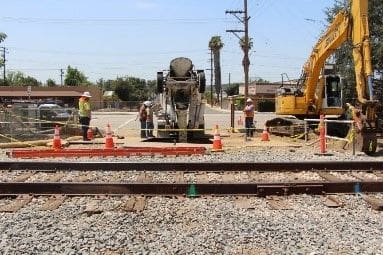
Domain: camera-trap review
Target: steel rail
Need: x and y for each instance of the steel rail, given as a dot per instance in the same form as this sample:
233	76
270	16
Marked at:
191	189
193	166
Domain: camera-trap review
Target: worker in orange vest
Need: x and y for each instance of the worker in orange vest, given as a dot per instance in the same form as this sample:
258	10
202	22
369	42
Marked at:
249	117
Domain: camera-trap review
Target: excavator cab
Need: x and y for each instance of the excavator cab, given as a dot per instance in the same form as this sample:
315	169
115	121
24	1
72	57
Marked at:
333	92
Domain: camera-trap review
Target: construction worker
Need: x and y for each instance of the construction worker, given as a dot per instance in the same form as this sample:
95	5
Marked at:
149	119
249	117
354	114
84	111
142	116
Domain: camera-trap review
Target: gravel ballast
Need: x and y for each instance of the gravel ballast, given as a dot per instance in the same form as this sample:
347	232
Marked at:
205	225
214	225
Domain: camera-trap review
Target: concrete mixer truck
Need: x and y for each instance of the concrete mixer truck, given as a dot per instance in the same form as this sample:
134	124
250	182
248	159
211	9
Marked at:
179	93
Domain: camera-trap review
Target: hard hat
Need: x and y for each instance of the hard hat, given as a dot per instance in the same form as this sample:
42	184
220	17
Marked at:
249	100
86	94
147	103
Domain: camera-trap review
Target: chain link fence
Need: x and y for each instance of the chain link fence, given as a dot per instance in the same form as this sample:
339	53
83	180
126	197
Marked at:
20	122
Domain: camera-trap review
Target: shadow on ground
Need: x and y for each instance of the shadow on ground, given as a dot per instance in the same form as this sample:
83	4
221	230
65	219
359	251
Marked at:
205	140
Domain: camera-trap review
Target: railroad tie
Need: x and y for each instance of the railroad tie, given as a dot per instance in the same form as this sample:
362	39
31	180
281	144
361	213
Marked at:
17	203
332	202
329	177
144	178
23	177
278	203
202	177
179	177
95	206
53	203
375	203
362	177
133	204
244	203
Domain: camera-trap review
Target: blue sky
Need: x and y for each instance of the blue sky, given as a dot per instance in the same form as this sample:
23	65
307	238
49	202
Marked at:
115	38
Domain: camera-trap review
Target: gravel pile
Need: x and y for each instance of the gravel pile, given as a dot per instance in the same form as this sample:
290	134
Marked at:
195	226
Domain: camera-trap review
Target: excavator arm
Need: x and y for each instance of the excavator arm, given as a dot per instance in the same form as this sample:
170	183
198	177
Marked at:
336	35
361	52
346	25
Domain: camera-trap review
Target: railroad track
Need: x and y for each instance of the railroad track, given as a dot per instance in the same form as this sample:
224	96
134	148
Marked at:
25	180
192	166
259	179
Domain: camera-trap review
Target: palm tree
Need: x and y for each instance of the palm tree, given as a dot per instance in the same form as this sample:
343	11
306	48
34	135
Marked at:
215	45
2	37
242	44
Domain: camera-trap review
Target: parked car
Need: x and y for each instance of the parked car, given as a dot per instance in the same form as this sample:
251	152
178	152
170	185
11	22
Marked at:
53	113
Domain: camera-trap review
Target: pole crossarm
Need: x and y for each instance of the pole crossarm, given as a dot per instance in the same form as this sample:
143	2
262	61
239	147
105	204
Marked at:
245	47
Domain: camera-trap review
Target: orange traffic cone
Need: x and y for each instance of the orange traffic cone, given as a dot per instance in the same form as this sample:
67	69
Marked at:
89	134
240	121
109	144
56	145
217	143
265	135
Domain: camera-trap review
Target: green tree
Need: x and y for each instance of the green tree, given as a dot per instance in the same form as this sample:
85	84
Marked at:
131	89
15	78
31	81
215	45
242	43
151	86
51	83
122	89
74	77
106	85
232	89
260	80
2	37
343	56
19	79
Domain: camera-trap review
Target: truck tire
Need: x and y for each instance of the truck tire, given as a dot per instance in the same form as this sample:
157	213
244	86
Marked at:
202	82
160	82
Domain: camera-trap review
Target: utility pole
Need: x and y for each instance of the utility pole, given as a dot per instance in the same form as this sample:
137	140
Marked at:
245	48
4	77
61	75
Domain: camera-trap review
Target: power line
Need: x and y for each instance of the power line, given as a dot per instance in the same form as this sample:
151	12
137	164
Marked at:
97	53
106	21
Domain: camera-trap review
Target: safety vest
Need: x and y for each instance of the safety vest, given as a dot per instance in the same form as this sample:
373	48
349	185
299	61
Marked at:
149	113
83	108
249	111
142	113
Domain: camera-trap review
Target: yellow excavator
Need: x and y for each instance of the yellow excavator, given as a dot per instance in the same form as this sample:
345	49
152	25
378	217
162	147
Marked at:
319	91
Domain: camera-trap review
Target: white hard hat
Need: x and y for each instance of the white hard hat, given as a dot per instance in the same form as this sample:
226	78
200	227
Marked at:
147	103
86	94
249	100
